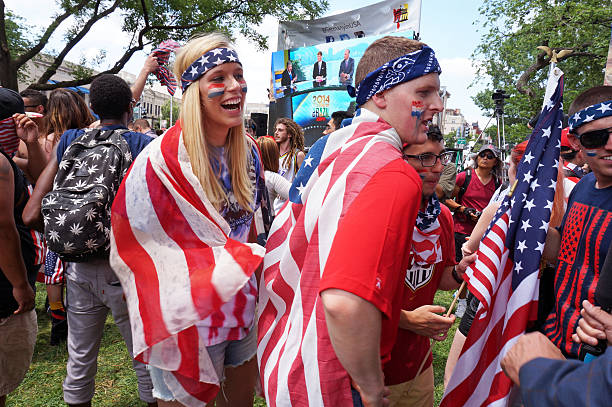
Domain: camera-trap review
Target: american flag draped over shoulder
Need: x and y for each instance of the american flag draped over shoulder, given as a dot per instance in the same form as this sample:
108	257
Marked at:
505	276
162	54
171	251
298	366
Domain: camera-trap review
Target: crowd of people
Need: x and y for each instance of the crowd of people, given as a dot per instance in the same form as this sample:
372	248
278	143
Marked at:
235	266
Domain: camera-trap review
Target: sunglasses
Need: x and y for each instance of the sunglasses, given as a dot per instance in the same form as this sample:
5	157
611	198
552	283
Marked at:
488	156
595	138
430	159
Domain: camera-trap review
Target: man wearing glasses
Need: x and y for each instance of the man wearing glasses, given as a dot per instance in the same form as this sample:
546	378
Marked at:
581	242
432	268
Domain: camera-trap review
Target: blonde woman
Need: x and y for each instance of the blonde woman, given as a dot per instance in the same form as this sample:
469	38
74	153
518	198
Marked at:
181	225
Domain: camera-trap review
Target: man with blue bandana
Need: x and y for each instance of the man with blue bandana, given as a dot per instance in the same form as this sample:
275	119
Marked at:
581	242
339	250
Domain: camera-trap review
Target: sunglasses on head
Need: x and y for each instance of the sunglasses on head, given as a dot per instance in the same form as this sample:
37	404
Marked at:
486	155
595	138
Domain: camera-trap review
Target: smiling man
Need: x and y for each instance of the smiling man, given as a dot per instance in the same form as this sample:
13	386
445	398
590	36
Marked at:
581	243
431	269
332	290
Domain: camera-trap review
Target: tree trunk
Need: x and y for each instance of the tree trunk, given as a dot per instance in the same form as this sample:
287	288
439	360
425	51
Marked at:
8	72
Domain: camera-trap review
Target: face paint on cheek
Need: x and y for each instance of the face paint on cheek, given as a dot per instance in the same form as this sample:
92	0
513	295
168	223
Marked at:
215	90
417	108
243	86
591	153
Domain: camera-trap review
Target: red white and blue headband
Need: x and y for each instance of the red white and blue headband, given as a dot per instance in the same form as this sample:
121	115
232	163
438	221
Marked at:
211	59
591	113
394	72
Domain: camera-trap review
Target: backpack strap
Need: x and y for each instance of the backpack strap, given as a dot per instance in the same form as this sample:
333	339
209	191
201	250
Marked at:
463	188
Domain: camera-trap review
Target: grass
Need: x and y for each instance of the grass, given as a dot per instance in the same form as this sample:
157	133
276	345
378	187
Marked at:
116	381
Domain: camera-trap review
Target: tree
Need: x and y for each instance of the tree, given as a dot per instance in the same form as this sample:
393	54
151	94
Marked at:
508	54
165	112
146	21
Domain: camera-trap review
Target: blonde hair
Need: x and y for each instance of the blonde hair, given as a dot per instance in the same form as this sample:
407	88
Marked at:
269	153
192	118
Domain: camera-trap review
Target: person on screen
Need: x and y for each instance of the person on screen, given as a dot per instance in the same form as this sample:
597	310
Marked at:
347	67
319	71
288	79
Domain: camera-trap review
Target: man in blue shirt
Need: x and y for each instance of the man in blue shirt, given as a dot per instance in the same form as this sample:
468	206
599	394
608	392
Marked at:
92	289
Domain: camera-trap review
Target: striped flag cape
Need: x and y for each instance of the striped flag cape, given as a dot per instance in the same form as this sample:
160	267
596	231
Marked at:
162	54
9	142
298	366
505	276
171	252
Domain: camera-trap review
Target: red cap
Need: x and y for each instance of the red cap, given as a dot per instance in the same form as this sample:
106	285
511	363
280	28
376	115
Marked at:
564	141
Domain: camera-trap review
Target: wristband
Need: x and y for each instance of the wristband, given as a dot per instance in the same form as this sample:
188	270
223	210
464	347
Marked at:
456	276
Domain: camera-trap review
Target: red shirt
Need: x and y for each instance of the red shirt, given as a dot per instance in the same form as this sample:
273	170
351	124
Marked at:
477	196
371	249
410	348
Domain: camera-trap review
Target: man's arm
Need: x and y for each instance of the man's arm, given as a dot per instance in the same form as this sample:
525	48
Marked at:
552	245
11	260
149	67
595	324
31	213
358	349
27	131
299	158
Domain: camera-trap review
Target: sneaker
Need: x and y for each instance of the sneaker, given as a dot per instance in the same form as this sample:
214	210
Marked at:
461	306
59	327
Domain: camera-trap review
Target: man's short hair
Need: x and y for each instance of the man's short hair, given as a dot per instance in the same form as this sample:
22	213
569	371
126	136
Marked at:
35	96
320	53
338	116
434	134
591	97
384	50
110	96
142	123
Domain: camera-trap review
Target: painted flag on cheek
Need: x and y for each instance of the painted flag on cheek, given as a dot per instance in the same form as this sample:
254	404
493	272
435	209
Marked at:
216	90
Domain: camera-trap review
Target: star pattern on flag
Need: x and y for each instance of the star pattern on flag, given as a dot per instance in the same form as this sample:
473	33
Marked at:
591	113
206	62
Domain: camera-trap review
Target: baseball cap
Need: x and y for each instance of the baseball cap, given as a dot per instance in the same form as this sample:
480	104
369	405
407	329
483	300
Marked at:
10	103
491	148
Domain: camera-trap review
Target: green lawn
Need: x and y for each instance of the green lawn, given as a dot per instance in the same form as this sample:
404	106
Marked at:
116	381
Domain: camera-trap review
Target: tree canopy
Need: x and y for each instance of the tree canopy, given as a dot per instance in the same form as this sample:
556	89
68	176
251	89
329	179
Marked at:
508	55
146	21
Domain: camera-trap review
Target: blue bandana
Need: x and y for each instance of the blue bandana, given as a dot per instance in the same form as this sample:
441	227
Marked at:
394	72
206	62
591	113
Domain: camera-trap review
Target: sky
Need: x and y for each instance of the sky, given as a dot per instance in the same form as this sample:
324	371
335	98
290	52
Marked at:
448	26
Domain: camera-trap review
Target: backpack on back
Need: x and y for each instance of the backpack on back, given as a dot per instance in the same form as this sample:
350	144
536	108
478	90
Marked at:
466	182
77	211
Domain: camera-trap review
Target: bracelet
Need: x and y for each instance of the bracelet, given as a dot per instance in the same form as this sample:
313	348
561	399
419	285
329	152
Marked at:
456	276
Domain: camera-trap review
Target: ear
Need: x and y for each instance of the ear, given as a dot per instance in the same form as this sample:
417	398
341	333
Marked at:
574	142
380	100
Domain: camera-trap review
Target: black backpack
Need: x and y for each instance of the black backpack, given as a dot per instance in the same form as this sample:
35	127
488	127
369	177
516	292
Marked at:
77	212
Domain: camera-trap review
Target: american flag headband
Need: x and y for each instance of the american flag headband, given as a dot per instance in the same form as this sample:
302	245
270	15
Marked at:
211	59
398	70
591	113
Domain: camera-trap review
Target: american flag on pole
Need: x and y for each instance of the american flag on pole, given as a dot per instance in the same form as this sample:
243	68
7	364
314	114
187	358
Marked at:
171	252
297	364
505	275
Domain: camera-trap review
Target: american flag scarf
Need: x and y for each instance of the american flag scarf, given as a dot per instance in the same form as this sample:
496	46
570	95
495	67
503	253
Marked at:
505	276
298	366
426	247
162	54
9	142
171	252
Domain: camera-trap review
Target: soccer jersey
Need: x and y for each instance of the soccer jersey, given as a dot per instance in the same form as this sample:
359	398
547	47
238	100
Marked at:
586	236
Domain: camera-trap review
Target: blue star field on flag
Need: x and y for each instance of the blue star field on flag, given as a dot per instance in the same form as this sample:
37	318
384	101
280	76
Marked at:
532	201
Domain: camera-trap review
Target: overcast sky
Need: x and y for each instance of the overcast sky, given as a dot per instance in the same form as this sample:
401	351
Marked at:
446	25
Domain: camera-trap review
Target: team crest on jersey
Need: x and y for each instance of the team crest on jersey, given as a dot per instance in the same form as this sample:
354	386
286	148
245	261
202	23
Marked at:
417	276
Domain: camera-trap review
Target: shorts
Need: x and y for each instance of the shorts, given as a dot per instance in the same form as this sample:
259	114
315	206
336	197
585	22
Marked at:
228	353
418	392
17	340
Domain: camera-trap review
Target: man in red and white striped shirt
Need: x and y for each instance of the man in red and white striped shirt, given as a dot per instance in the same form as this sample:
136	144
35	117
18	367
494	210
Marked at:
331	290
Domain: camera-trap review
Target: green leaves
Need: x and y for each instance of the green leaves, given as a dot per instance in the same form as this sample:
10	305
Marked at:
512	29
